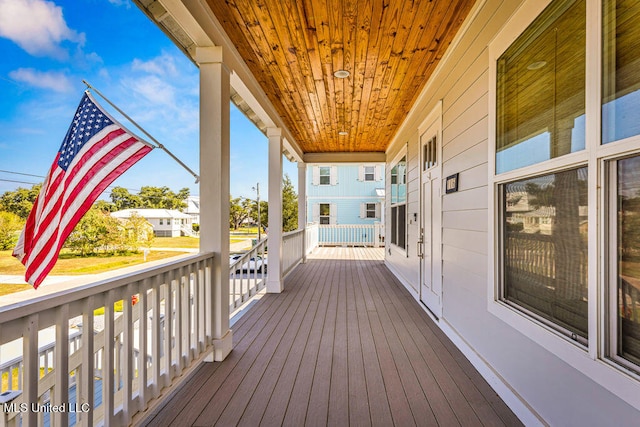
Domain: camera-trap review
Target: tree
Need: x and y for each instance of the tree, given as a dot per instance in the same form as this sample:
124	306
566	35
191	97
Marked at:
20	201
10	226
239	210
95	231
289	205
163	198
134	232
122	199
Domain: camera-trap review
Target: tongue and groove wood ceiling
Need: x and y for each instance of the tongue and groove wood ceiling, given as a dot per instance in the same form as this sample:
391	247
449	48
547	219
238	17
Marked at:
389	47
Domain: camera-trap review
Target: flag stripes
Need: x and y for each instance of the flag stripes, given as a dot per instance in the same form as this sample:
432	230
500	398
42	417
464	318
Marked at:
81	171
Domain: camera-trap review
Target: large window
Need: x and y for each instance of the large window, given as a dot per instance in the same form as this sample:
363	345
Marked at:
625	257
540	115
399	203
566	187
544	234
541	89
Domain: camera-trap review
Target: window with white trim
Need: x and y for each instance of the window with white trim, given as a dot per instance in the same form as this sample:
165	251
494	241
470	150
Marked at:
325	175
325	214
540	91
369	173
399	203
567	178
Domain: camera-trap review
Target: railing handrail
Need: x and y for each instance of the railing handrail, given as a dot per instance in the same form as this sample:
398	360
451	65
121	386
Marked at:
35	305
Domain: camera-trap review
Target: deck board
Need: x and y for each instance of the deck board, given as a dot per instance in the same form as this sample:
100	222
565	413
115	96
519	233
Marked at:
343	344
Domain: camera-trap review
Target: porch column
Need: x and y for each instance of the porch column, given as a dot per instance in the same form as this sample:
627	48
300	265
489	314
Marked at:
302	206
214	188
274	244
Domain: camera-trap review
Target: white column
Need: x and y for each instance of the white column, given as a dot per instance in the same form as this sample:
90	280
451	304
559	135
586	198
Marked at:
214	187
274	272
302	205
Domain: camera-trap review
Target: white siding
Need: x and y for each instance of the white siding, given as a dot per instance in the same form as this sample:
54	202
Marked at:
555	390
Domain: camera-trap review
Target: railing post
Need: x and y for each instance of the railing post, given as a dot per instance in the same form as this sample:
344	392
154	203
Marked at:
215	93
302	206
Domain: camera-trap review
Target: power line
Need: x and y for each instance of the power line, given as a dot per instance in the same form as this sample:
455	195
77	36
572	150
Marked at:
43	177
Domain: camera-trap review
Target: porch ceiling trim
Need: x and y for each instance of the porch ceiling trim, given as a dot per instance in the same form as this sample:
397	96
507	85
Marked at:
345	157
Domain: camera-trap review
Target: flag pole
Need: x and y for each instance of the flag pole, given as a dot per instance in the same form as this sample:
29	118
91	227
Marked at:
162	147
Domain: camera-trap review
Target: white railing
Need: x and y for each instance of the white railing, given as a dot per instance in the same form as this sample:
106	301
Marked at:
351	235
143	330
292	250
311	238
248	275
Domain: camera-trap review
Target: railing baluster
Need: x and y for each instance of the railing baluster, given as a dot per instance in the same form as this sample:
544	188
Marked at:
108	367
142	354
167	334
156	335
61	365
127	371
31	370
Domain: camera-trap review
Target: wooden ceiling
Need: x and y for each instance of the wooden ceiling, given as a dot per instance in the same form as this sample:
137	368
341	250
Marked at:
389	47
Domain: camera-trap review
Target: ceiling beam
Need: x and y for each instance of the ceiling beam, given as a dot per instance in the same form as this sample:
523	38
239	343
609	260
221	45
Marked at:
345	157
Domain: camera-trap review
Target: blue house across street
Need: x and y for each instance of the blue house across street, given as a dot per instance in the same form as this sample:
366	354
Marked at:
347	201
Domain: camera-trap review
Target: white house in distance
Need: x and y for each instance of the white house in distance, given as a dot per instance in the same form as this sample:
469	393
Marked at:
165	222
193	209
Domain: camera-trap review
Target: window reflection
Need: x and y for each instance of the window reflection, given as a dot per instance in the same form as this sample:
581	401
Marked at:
544	231
541	89
621	70
628	201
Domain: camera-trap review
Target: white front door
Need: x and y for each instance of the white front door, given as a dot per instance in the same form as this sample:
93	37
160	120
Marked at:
430	248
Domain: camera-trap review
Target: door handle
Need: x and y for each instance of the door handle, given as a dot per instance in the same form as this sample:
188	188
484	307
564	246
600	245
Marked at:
419	249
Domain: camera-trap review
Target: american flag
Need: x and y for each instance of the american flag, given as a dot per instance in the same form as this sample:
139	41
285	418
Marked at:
95	151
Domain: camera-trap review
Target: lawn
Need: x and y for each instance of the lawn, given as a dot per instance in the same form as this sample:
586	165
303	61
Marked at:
9	288
175	242
71	264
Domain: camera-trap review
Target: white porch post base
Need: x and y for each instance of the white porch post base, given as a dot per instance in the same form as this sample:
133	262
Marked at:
221	348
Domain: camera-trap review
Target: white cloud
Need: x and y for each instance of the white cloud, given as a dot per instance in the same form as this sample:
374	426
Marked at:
51	80
154	89
163	65
125	3
37	26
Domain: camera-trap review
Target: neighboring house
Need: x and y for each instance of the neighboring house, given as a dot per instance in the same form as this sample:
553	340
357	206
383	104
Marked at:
193	209
165	222
345	194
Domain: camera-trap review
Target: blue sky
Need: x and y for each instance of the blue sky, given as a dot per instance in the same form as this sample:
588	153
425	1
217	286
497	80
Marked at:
49	47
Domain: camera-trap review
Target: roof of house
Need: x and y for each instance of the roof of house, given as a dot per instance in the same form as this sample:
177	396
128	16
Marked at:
150	213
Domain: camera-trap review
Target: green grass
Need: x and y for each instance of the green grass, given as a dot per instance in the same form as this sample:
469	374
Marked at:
176	242
71	264
9	288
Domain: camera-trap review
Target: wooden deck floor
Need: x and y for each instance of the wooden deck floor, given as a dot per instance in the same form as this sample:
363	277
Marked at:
344	344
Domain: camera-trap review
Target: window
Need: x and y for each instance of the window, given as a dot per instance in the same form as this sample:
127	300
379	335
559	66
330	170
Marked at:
429	155
620	71
566	181
620	115
161	221
544	235
369	173
371	210
398	203
625	260
325	213
540	107
325	175
541	89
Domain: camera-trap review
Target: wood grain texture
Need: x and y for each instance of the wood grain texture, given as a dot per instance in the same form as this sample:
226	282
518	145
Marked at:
390	47
344	344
